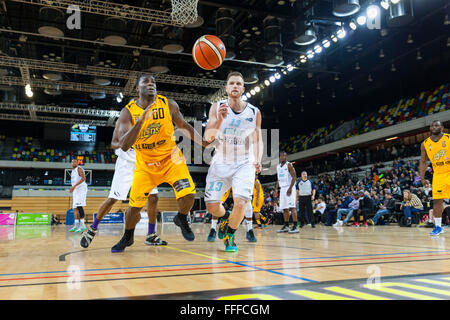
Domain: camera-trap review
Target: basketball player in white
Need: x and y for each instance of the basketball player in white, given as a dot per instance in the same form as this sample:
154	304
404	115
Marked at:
286	180
120	186
235	126
79	192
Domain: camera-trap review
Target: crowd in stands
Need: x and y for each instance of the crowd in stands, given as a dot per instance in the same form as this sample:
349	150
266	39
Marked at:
425	103
26	149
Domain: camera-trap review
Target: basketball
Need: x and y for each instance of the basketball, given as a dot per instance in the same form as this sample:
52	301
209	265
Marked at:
208	52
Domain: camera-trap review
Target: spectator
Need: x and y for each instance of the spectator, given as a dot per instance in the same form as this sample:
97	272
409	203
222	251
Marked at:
411	204
385	210
319	210
354	205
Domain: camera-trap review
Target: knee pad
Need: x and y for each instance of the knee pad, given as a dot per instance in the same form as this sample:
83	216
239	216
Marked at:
81	211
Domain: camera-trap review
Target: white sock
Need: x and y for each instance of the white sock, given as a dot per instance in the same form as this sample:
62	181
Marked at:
214	224
437	222
249	225
77	224
82	223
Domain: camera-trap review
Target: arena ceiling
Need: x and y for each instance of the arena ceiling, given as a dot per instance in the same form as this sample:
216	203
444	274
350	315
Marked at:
89	67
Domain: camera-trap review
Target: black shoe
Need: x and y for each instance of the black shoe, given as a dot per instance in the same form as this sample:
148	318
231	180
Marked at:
408	223
284	229
122	244
301	225
87	237
294	229
313	226
154	240
212	235
184	226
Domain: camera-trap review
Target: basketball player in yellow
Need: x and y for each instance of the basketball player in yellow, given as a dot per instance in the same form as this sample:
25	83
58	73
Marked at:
437	149
146	125
258	201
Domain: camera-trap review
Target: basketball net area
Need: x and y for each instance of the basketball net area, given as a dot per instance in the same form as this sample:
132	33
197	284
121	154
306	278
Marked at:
184	11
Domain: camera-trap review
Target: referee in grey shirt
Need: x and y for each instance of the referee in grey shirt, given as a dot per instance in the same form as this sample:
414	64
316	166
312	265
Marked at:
305	194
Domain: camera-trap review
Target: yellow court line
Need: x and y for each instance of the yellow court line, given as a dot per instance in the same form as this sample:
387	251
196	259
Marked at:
355	294
440	283
195	253
318	296
383	287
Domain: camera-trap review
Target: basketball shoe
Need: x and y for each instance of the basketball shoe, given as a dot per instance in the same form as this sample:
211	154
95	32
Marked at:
154	240
230	245
251	236
436	231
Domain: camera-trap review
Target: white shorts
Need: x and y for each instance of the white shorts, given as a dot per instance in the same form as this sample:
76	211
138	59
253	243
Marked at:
249	210
287	202
79	196
123	179
221	177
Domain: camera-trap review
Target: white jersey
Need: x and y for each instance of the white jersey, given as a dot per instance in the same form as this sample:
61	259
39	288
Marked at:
75	178
284	177
129	155
234	141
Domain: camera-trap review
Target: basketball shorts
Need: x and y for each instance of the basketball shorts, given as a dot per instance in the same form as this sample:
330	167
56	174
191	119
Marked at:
287	202
79	196
260	204
441	186
123	179
223	176
147	176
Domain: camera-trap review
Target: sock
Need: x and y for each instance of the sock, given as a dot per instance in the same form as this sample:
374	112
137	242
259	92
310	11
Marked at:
151	228
286	224
214	224
295	223
94	224
82	223
437	222
129	234
249	225
77	224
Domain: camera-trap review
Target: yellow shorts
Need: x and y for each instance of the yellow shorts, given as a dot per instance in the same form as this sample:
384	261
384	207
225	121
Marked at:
149	175
441	186
260	204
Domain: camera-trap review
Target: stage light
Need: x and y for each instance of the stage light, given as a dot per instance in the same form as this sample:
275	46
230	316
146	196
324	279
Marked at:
372	11
395	1
277	76
248	95
361	20
333	38
252	92
326	43
257	89
310	54
272	79
290	67
352	25
267	83
341	33
384	4
317	49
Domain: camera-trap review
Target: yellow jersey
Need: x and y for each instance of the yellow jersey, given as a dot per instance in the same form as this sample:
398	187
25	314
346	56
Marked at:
439	153
156	140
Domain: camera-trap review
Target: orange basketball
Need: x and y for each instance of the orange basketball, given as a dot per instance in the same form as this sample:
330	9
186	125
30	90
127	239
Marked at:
208	52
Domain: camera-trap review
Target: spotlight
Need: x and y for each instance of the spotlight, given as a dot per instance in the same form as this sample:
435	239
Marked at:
352	25
121	95
257	89
410	39
333	38
419	57
361	20
290	67
310	54
326	43
252	92
284	72
317	49
384	4
118	99
395	1
277	76
28	91
341	33
248	95
393	69
272	79
267	83
372	11
303	60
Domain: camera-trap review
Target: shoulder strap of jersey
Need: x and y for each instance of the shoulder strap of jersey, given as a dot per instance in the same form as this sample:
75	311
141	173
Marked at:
162	99
130	105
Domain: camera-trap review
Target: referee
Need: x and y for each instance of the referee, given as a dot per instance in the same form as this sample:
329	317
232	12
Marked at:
305	194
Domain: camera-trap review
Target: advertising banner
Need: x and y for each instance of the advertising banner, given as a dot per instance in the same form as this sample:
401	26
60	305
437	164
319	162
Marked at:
33	219
7	219
112	217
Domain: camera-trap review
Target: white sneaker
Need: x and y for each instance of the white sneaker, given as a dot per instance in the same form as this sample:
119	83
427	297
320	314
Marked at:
338	223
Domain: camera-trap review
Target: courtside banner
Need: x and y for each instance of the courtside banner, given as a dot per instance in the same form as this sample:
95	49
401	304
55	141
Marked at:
113	217
33	219
7	219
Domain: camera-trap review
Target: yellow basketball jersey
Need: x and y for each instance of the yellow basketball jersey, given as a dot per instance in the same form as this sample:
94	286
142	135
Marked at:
225	196
261	192
155	141
439	153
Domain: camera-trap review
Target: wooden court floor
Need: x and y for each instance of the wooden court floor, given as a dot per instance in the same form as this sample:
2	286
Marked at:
382	262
